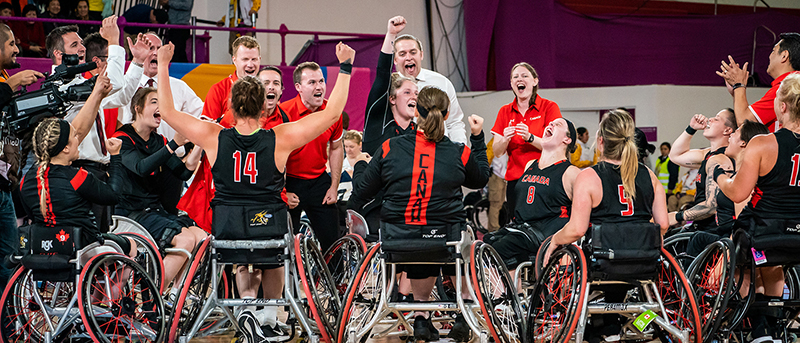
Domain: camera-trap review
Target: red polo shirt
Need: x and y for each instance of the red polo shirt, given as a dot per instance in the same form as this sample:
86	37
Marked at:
266	122
764	109
218	98
536	117
309	161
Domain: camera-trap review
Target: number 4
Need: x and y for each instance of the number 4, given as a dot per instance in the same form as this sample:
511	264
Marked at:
249	166
625	201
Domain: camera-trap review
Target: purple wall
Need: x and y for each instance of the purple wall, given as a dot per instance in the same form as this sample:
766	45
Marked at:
569	49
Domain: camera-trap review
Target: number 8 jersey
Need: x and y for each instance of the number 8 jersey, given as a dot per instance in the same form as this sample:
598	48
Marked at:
245	172
615	207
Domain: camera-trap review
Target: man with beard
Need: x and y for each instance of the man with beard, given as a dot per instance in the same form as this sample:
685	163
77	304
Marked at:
306	175
9	153
247	59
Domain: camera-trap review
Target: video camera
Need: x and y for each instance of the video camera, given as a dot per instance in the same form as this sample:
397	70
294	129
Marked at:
27	108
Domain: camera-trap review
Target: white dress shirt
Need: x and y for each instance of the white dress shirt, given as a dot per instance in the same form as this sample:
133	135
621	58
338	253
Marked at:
122	87
454	125
182	95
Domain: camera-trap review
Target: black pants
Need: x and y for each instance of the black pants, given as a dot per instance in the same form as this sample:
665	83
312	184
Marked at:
511	201
178	37
324	218
102	213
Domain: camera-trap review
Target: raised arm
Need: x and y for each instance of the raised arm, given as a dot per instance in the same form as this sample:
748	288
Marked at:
680	153
477	166
378	113
85	118
200	132
290	136
760	151
734	75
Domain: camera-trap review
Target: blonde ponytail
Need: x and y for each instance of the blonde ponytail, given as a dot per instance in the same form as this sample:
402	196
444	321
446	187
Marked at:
618	130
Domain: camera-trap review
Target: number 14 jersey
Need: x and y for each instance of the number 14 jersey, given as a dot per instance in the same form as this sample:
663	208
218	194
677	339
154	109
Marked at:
245	171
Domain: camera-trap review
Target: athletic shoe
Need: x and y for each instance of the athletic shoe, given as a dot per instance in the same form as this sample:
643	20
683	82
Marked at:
424	330
270	331
460	331
251	331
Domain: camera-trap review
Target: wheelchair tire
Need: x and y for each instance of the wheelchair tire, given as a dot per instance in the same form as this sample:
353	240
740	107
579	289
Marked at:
557	300
363	296
539	263
22	319
711	273
478	215
320	289
496	294
148	257
193	292
343	259
676	245
136	312
678	299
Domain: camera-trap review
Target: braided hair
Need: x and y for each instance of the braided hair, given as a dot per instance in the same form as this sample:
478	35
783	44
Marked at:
45	137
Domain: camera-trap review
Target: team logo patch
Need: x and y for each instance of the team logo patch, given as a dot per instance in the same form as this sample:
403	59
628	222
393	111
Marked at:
62	236
260	218
47	245
23	241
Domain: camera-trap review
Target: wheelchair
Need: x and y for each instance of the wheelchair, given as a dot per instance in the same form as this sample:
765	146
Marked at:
344	256
66	291
309	289
367	311
719	272
627	273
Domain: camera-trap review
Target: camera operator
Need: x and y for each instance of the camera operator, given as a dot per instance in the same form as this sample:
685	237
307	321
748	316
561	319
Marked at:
9	147
64	41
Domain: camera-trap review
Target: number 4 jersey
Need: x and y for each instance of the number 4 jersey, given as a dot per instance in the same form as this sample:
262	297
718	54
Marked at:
245	171
615	206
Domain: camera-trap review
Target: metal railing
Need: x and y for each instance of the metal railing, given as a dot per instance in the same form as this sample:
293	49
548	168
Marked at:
283	31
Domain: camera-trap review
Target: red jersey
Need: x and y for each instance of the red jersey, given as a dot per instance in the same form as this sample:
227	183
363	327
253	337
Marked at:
309	161
219	97
764	109
536	117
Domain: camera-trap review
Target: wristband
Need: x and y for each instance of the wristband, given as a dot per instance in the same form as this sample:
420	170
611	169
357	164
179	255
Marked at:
531	139
679	216
690	130
737	85
345	68
173	145
718	171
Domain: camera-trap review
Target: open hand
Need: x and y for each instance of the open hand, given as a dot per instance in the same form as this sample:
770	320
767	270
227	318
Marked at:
141	49
732	73
110	30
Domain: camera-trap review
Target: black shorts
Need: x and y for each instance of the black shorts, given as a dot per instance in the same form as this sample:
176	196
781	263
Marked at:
162	225
123	242
513	246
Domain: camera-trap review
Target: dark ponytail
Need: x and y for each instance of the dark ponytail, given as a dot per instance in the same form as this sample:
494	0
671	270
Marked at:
432	105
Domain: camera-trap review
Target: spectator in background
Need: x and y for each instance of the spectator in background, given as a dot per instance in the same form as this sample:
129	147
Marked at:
352	149
96	8
6	10
53	11
666	171
244	11
584	156
82	13
30	34
645	148
17	6
180	11
142	13
684	191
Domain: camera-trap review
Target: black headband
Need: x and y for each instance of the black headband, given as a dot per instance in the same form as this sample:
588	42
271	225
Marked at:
63	138
423	112
573	134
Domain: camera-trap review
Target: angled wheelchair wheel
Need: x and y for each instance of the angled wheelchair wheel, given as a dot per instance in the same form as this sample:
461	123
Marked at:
318	285
678	299
711	273
343	259
148	257
676	245
362	298
118	301
193	292
558	298
25	306
496	294
539	263
478	215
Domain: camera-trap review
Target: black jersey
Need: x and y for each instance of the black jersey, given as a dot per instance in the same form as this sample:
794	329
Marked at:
146	165
423	179
778	192
379	124
615	207
543	203
700	190
245	171
72	191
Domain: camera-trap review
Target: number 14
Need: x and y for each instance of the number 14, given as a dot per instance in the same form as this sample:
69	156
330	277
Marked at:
249	166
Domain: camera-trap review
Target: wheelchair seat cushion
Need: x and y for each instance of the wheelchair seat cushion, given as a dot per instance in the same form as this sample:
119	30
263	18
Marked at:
39	239
625	250
269	221
418	243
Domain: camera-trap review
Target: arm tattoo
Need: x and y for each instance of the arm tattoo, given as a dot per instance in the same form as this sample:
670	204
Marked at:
709	206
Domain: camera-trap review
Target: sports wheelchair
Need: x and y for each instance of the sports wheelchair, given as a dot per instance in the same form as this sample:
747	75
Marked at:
627	273
367	311
724	277
309	290
65	290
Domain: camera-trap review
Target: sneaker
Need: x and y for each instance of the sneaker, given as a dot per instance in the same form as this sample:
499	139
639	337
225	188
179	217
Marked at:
270	331
251	331
460	331
424	330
